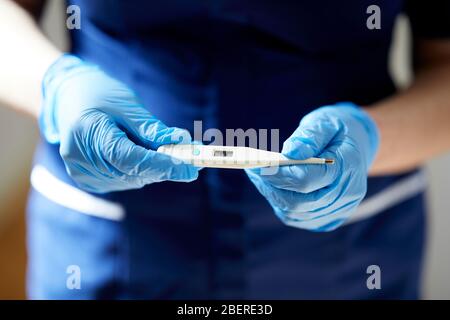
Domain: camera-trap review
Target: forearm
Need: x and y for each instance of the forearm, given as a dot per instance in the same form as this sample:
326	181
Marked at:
414	126
25	56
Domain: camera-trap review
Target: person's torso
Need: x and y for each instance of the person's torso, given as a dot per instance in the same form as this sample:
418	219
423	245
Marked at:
243	64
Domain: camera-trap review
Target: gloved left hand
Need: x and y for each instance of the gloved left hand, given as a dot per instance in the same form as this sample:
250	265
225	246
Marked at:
322	197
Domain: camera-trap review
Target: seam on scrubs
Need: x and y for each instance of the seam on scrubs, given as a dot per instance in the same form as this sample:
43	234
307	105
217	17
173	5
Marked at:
396	193
70	197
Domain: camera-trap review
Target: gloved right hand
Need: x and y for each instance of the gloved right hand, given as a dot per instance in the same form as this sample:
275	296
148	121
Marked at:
322	197
107	138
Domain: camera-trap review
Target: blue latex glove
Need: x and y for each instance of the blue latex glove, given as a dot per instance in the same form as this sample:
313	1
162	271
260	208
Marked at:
322	197
106	136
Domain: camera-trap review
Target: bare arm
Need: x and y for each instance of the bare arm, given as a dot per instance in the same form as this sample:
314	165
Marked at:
415	125
25	55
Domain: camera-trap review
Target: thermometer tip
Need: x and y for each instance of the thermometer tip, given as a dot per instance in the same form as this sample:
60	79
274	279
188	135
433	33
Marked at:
329	161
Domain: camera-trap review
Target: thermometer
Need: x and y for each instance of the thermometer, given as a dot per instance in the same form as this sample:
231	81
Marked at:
211	156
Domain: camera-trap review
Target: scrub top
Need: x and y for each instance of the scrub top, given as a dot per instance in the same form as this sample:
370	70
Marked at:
230	64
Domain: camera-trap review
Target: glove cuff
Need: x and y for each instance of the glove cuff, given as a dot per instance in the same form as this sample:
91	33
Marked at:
371	129
53	78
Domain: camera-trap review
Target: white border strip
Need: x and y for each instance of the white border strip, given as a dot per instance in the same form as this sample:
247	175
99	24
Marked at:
72	198
392	195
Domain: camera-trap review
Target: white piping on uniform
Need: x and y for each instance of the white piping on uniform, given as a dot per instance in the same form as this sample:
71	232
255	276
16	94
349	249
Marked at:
394	194
72	198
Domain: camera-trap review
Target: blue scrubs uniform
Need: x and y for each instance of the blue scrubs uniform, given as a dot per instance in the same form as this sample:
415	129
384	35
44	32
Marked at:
232	64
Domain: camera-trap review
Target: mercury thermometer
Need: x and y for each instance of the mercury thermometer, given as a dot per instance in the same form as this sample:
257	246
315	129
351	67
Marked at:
211	156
